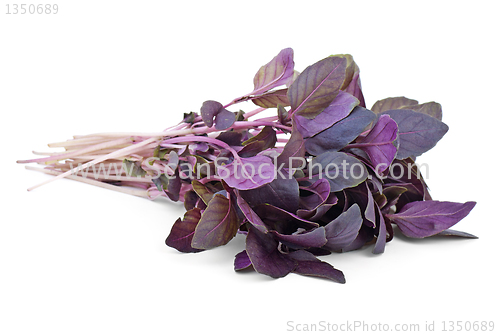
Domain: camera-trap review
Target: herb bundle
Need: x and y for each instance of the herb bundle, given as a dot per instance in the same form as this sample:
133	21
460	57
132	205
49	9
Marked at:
322	174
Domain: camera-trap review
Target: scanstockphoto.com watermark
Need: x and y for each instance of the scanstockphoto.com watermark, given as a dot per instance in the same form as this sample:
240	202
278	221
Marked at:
359	326
223	167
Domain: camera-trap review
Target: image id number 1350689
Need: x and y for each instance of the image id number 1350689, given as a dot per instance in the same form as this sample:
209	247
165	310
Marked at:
22	9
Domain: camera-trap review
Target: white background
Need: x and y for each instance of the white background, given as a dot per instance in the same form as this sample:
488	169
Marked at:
78	259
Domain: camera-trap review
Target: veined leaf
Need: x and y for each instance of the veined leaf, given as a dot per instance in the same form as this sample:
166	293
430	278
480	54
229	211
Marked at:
272	99
392	103
418	132
275	73
262	249
340	107
182	232
218	224
317	86
340	169
341	133
425	218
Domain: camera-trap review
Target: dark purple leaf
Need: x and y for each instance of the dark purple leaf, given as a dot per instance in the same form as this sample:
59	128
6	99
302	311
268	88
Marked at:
190	199
250	215
272	99
282	221
319	212
293	153
247	173
217	226
242	261
418	132
340	107
202	191
342	231
320	190
392	103
352	82
262	249
275	73
174	186
381	233
425	218
317	86
265	139
392	195
182	232
283	115
314	238
365	236
430	108
362	196
454	233
281	192
232	138
378	144
223	118
309	265
341	133
340	169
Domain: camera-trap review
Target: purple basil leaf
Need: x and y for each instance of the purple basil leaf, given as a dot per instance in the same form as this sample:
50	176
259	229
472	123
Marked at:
250	215
195	148
454	233
429	108
418	132
425	218
182	232
262	249
232	138
283	192
340	107
365	236
392	103
217	226
265	139
202	191
223	118
275	73
247	173
241	261
317	86
336	167
378	144
362	196
309	265
282	221
381	233
341	133
392	195
314	238
318	213
320	191
190	199
293	153
342	231
282	114
208	111
174	186
272	99
352	82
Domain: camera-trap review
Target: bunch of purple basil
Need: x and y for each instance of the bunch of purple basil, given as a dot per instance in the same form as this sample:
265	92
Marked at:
344	178
320	174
